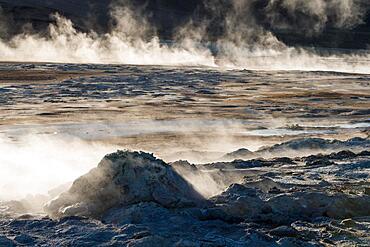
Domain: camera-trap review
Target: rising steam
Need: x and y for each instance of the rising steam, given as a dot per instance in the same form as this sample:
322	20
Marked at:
35	165
312	17
246	39
66	45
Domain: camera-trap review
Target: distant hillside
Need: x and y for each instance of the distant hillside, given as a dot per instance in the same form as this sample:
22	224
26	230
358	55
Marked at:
166	15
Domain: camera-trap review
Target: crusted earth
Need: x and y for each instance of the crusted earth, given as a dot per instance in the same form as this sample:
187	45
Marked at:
135	199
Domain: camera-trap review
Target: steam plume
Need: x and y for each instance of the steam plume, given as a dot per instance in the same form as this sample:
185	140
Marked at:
35	165
312	17
241	34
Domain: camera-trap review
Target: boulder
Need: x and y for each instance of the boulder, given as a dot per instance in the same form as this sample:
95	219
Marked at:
284	231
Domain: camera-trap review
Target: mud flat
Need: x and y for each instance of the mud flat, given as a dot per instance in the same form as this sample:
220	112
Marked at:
78	93
130	105
241	158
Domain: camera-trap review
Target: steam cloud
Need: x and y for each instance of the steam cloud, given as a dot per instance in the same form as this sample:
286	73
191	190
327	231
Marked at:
313	16
38	163
65	44
242	32
35	165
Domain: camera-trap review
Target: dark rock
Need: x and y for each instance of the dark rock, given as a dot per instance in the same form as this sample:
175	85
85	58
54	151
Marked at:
348	222
293	242
24	239
149	241
284	160
284	231
320	162
242	153
342	155
364	153
367	191
183	165
137	214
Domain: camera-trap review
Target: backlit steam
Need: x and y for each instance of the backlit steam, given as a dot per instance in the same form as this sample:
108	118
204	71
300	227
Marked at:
67	45
34	165
313	16
247	43
37	163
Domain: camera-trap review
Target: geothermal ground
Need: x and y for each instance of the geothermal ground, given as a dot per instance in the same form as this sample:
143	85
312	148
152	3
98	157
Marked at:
223	157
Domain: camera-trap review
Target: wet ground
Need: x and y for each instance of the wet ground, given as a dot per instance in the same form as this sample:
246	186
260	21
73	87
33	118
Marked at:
280	157
108	102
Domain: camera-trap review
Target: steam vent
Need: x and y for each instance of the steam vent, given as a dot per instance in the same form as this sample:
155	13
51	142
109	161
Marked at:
123	179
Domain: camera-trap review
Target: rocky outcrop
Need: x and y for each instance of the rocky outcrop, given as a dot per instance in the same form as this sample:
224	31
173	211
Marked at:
134	199
243	152
121	179
318	144
252	204
302	147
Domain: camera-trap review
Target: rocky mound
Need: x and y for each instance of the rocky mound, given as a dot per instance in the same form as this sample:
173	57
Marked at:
243	152
124	178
